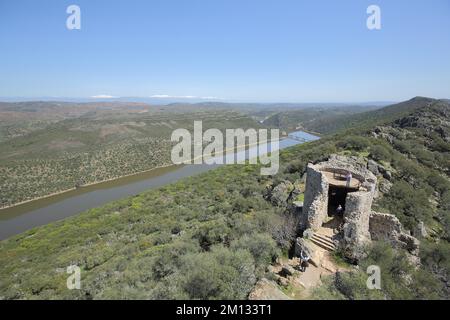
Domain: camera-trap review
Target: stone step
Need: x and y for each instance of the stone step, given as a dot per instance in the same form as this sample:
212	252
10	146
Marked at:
324	237
324	243
328	244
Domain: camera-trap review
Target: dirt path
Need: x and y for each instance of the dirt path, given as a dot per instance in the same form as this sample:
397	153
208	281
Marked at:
297	285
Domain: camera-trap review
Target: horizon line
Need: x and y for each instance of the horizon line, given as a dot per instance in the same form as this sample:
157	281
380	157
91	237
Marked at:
181	99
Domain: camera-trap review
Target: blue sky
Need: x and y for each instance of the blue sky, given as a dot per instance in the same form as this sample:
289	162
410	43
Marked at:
236	50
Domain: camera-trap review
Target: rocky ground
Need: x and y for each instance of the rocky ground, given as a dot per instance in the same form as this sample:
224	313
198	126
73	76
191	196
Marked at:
285	281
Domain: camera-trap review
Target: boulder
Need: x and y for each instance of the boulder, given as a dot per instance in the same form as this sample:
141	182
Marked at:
308	233
281	193
420	231
387	175
384	186
305	245
283	282
384	172
272	269
294	262
287	271
267	290
409	243
373	167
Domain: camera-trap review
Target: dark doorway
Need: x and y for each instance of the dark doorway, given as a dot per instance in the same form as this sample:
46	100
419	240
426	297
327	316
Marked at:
336	197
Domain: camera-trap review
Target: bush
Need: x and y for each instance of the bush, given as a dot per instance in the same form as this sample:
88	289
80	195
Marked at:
439	183
399	279
284	230
219	274
379	153
354	143
408	204
295	166
262	247
436	258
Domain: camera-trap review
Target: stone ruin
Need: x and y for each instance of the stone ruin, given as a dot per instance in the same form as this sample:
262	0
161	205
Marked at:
354	227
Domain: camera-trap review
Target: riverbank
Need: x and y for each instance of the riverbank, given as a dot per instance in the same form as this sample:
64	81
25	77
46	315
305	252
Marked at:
95	183
118	178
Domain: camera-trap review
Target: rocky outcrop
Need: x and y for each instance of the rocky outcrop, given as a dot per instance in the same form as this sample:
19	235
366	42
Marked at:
287	271
385	173
309	249
420	231
267	290
387	227
384	186
373	167
280	194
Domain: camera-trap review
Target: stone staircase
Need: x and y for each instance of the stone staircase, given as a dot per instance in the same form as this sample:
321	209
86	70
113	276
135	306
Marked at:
323	241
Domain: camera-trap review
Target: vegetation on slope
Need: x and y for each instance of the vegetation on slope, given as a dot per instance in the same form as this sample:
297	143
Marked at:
315	119
212	236
415	147
82	144
371	118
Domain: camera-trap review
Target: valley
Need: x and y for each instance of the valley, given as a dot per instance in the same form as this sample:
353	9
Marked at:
87	144
218	234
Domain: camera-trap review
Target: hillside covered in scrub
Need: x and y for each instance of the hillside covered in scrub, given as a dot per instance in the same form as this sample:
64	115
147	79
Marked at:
213	236
49	147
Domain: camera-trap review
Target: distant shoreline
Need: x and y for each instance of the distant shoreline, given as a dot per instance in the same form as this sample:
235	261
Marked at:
317	134
120	177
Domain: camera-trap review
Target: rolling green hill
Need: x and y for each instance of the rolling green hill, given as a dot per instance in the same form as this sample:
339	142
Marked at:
213	236
371	118
317	119
52	147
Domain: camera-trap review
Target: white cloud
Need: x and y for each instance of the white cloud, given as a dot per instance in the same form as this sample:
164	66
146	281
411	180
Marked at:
160	96
166	96
212	98
103	96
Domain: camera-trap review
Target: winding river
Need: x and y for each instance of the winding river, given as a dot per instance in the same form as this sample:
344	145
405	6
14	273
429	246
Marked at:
23	217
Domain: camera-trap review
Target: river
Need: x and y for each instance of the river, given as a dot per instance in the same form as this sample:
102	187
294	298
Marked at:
26	216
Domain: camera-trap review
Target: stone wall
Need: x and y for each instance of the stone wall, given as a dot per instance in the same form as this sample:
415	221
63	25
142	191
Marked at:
315	204
355	234
386	227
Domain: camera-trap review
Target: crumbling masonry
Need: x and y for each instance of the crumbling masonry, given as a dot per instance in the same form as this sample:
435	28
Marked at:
327	187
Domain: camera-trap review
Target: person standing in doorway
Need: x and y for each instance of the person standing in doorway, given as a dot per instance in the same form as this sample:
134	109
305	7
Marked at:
348	178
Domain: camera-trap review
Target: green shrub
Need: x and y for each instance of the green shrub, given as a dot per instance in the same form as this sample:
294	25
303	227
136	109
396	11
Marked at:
379	153
262	247
354	143
408	204
219	274
399	279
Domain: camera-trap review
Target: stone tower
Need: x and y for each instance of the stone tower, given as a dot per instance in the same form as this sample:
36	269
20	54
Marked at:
327	188
356	224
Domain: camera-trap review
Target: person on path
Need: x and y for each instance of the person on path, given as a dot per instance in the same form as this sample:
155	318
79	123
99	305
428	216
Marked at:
304	258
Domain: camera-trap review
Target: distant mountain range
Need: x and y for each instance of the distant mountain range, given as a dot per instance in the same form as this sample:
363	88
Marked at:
193	100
